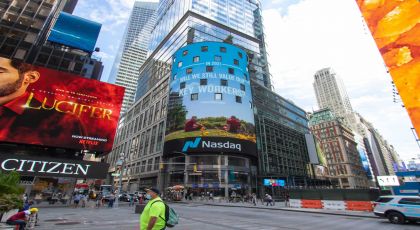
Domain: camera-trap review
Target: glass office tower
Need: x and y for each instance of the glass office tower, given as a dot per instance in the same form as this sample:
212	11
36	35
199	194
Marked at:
142	130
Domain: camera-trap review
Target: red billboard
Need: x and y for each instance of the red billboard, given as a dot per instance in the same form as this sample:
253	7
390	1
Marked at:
41	106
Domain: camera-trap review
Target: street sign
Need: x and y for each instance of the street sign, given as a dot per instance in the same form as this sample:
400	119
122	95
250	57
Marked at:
115	174
388	181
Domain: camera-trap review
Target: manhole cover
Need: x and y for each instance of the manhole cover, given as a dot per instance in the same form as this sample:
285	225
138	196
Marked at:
68	223
54	220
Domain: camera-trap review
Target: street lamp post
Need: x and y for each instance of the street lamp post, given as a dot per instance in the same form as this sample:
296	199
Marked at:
122	163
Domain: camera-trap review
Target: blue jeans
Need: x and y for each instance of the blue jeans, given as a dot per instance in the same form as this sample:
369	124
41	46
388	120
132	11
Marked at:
21	223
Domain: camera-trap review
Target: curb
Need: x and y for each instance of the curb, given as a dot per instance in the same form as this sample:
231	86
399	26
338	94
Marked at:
284	209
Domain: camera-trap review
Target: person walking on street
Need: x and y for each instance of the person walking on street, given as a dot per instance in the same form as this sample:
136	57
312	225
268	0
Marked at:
254	199
269	200
111	200
153	215
131	200
287	200
76	200
20	218
98	200
83	200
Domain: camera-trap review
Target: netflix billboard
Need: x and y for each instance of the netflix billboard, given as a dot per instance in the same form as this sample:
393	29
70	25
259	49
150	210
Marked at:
41	106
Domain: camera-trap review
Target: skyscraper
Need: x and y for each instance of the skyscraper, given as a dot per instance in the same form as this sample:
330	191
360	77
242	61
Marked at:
374	151
232	25
331	93
133	50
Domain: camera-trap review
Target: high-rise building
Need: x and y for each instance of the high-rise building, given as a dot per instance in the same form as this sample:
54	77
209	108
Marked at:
331	93
133	50
280	125
24	30
340	149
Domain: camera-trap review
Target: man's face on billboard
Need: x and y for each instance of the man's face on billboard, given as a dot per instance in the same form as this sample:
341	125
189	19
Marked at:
11	80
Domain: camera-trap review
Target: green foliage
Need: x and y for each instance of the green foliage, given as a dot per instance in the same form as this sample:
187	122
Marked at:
10	191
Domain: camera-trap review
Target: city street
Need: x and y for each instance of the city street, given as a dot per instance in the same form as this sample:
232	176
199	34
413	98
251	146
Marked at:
203	217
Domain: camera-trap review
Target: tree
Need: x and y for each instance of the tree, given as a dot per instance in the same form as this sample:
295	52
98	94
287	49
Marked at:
10	191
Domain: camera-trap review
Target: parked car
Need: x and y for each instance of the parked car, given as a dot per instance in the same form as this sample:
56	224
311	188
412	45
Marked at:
126	197
398	209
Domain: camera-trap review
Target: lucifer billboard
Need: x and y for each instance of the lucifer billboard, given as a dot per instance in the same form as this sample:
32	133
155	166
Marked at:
41	106
395	26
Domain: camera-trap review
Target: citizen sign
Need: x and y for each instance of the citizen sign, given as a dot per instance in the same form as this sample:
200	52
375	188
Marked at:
53	167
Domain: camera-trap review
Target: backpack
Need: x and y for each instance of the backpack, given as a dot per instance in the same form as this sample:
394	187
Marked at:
171	217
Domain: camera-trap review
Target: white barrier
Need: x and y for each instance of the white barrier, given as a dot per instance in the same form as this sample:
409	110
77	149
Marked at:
295	203
334	204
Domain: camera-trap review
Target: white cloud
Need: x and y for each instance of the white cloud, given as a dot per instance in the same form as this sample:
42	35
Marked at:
330	33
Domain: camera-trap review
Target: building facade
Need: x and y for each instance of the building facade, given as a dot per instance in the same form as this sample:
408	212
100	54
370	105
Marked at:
24	30
340	148
133	49
331	92
181	23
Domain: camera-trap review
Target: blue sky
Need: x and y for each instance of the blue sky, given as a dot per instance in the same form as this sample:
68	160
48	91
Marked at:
302	37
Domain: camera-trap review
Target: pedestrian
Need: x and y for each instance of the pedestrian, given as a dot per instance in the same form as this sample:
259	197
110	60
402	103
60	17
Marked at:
269	200
131	200
111	200
20	218
98	200
83	200
153	215
76	200
254	199
211	196
287	200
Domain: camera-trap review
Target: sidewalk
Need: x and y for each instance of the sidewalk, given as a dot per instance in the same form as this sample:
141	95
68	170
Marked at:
282	207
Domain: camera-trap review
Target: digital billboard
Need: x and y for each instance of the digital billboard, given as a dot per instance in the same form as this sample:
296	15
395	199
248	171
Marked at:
274	182
41	106
395	26
210	103
76	32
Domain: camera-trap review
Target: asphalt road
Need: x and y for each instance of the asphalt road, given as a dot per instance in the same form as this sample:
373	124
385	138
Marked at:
203	217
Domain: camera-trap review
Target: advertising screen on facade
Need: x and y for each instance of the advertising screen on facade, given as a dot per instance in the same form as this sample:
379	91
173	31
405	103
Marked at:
274	182
76	32
395	26
41	106
44	167
210	103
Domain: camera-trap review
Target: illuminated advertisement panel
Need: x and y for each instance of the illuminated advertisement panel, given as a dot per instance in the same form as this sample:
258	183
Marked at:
274	182
210	103
41	106
76	32
395	26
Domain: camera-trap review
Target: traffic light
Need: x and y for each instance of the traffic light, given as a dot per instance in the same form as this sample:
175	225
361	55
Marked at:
195	168
161	166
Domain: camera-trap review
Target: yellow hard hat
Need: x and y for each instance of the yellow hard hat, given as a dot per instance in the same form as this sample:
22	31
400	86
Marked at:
33	210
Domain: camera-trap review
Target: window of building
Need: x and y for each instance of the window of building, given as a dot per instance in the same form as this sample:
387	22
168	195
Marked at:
218	58
223	49
240	54
209	68
242	87
182	85
231	71
149	164
223	82
189	70
180	64
196	59
185	52
235	61
156	166
204	48
194	96
238	99
203	81
218	96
